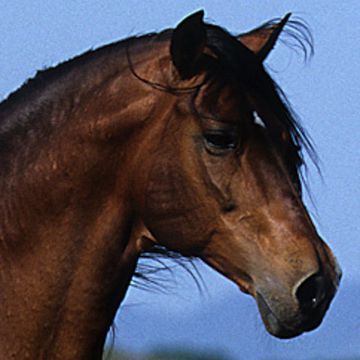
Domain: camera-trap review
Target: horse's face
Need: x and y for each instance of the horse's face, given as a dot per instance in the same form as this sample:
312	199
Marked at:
222	190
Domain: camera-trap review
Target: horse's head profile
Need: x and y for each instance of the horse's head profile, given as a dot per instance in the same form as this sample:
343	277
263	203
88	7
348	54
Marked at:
222	182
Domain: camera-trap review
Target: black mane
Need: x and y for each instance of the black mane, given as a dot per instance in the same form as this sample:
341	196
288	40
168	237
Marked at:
242	67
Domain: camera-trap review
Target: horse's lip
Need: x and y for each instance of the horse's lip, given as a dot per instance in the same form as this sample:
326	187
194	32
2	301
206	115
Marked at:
284	331
273	325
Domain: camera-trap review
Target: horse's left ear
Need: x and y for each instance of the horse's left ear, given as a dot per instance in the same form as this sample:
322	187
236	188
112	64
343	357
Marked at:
262	40
187	44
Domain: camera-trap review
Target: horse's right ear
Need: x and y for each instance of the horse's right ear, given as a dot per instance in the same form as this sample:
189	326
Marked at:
187	44
262	40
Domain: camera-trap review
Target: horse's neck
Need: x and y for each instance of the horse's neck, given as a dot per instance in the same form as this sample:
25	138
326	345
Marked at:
60	295
67	233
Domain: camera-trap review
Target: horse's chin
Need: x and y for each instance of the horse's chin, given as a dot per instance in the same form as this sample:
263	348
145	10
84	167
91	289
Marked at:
282	329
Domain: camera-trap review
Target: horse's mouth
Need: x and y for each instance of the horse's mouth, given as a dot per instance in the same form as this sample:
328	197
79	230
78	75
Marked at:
288	330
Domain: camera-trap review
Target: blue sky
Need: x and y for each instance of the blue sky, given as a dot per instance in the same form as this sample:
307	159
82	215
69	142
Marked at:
325	93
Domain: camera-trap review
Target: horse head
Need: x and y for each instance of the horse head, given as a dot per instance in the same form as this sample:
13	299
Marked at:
223	181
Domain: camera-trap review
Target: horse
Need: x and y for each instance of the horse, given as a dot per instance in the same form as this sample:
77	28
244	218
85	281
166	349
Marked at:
177	140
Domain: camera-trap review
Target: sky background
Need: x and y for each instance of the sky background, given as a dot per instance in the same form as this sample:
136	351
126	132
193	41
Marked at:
325	93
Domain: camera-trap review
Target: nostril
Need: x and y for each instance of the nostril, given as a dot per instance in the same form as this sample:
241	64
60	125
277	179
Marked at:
311	292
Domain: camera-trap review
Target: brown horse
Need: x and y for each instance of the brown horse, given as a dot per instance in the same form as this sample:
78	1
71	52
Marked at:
179	139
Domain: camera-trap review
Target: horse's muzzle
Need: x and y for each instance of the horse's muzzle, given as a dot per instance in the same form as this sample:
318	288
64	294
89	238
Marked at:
312	298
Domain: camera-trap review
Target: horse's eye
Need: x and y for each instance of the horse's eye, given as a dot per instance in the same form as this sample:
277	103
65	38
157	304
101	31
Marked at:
221	140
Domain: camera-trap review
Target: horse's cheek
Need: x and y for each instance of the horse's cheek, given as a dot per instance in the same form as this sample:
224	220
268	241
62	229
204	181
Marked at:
173	208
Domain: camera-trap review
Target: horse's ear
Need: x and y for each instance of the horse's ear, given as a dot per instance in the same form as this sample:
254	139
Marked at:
187	44
262	40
